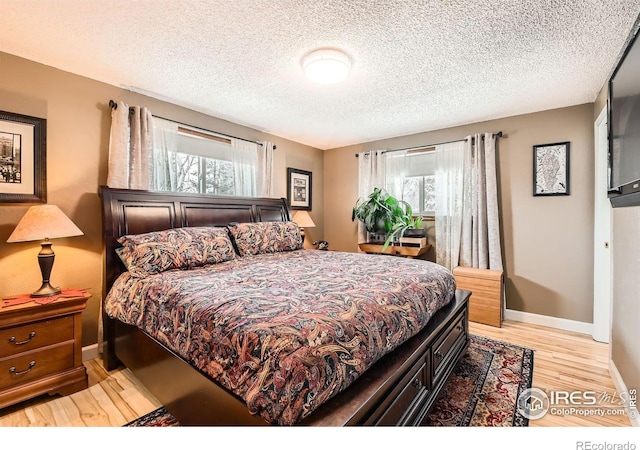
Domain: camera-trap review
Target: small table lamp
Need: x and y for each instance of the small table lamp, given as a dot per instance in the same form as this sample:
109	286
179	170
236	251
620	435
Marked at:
303	219
44	222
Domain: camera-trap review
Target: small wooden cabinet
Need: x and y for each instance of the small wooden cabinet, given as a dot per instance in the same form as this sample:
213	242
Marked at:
41	349
485	305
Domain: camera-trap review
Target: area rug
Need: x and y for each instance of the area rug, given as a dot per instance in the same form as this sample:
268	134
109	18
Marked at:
482	391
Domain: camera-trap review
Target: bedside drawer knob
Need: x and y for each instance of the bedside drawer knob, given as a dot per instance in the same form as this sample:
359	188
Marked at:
438	354
12	370
12	339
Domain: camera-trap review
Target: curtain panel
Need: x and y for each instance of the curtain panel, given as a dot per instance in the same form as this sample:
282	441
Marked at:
265	169
371	173
245	167
480	239
449	209
130	147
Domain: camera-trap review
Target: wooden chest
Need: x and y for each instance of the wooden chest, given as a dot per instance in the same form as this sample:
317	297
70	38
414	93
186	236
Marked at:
485	304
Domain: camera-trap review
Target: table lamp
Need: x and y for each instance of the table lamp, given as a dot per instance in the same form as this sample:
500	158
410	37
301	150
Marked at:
44	222
303	219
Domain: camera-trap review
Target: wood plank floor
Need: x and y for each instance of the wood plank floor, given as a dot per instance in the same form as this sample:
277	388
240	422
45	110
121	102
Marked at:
562	361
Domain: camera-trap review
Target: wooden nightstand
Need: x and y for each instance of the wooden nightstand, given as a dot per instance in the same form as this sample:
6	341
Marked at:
41	349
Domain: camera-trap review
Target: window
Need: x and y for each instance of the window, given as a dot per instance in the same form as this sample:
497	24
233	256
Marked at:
199	174
190	160
419	192
413	172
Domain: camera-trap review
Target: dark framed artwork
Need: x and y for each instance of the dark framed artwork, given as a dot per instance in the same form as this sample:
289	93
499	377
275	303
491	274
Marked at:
551	169
299	189
23	158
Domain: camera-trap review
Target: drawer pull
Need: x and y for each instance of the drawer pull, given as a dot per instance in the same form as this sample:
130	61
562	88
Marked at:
459	327
417	383
12	339
438	354
12	370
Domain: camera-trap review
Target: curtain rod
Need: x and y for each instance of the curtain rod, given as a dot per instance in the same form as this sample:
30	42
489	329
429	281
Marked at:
114	105
498	134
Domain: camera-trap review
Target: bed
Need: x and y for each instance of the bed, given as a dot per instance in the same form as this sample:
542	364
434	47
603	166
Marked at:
271	335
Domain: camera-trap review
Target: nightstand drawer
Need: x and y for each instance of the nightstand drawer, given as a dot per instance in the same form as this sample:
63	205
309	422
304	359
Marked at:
36	364
34	335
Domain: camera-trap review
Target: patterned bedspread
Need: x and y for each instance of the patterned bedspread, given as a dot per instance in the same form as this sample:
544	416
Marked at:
285	331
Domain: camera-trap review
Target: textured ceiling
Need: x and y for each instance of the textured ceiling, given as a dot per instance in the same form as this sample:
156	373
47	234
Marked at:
417	65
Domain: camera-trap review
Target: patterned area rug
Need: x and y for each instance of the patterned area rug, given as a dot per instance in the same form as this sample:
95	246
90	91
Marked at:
484	388
482	391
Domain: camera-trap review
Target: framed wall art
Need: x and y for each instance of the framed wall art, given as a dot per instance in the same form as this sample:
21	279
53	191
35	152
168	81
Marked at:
299	189
23	161
551	169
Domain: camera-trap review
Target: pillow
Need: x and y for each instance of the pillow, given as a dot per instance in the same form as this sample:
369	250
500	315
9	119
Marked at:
265	237
177	248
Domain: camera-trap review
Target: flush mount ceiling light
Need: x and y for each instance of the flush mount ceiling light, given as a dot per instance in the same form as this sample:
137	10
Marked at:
326	66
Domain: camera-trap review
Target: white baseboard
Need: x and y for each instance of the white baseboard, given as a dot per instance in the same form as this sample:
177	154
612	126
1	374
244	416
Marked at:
90	352
622	387
548	321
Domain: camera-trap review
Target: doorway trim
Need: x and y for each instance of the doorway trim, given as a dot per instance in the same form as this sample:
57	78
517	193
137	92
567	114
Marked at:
602	258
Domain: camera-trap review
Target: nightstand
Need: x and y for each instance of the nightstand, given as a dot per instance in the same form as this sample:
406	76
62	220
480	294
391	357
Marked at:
41	349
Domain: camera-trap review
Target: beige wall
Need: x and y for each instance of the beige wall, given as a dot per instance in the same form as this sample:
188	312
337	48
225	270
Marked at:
78	121
547	241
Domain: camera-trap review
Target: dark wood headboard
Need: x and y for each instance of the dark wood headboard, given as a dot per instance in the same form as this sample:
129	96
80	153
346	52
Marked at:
126	211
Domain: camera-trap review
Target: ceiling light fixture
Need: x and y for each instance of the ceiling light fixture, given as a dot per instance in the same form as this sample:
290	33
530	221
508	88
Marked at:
326	66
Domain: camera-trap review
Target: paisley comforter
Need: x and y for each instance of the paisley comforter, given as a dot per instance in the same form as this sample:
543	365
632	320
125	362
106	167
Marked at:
285	331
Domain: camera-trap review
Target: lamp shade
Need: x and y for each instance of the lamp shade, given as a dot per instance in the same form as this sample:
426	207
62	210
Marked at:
44	222
303	219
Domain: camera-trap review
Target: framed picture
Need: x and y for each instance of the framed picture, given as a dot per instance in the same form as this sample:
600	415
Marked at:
551	169
23	162
299	189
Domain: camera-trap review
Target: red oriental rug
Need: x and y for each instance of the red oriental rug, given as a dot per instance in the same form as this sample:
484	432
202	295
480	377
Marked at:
482	391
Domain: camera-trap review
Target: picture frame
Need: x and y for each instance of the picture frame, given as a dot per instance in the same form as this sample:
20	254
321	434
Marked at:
23	158
299	189
551	169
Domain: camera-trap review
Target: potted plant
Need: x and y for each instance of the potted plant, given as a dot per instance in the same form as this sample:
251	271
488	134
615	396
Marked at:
374	211
382	213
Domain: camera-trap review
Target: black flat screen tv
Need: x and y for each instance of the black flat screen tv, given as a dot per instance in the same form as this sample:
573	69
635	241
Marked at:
624	127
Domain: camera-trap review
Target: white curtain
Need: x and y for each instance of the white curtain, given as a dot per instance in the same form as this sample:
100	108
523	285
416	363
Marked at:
395	173
165	138
371	173
245	162
130	147
265	169
480	239
449	189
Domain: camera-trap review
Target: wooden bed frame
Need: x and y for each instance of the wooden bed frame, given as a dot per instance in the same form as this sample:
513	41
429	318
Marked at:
398	390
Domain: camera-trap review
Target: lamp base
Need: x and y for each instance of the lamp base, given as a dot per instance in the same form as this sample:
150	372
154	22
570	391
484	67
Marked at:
46	290
45	261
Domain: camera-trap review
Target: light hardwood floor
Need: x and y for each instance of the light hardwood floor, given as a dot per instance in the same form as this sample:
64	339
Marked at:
562	361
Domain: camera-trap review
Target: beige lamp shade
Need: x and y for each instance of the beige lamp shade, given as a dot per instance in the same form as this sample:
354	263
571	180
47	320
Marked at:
44	222
303	219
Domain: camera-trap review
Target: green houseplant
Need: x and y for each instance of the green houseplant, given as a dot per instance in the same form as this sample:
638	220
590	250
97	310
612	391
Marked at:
381	212
375	211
